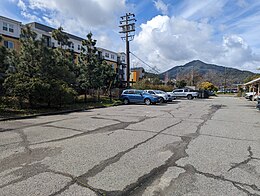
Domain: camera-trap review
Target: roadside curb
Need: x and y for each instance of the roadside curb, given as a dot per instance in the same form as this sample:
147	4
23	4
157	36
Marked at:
55	113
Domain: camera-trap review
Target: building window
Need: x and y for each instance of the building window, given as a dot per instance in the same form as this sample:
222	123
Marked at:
107	55
9	44
72	45
8	27
47	40
123	59
78	47
112	56
11	28
5	26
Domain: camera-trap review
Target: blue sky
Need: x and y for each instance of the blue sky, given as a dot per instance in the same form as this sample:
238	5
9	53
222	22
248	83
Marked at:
168	32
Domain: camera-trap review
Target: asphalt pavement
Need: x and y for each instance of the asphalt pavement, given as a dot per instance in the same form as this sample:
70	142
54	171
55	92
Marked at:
197	147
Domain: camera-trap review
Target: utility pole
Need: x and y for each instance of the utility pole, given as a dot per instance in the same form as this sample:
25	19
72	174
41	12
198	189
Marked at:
225	80
127	24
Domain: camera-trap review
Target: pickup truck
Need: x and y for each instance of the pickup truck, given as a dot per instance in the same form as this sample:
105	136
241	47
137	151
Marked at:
188	93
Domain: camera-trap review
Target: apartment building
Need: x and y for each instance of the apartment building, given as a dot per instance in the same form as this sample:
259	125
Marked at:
122	67
117	61
45	32
10	31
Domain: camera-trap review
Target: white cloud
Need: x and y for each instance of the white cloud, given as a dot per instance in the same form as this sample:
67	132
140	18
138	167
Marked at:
21	5
215	31
95	13
169	41
30	16
202	9
161	6
78	17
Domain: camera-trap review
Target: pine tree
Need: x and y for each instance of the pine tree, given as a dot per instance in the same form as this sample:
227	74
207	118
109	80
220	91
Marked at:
42	75
88	60
94	72
24	81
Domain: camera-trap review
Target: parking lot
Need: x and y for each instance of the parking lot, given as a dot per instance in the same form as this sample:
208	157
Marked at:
186	147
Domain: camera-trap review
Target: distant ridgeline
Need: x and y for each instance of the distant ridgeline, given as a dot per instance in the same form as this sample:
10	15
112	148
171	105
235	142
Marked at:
200	71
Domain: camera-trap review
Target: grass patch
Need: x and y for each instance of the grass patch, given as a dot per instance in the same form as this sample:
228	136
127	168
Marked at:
8	110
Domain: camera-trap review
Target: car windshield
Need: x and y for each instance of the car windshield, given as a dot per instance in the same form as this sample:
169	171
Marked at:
159	92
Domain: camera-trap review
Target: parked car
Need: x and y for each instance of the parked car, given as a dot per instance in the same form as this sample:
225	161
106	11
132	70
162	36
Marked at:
171	96
251	96
258	102
162	96
255	97
138	96
185	92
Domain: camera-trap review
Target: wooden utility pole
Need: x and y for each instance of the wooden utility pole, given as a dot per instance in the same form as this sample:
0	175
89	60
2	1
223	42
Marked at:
127	24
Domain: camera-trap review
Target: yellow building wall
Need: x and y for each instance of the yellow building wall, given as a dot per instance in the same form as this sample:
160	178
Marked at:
17	44
133	76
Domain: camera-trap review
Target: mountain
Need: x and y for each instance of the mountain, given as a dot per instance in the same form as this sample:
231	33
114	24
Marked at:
200	71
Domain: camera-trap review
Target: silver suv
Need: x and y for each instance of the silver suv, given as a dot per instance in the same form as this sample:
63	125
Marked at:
162	96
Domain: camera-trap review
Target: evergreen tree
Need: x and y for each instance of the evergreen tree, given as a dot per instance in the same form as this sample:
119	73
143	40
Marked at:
87	64
61	37
94	73
41	76
23	82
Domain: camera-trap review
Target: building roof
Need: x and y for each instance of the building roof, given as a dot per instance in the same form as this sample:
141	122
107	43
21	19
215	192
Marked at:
137	69
4	18
50	29
252	81
103	49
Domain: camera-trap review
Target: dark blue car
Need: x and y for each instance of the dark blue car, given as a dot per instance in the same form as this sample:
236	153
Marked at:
138	96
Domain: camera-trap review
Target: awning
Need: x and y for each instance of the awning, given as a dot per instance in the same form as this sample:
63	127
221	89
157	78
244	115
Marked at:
252	81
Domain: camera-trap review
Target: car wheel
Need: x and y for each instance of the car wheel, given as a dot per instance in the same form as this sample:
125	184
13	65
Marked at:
251	98
126	101
190	97
147	101
161	100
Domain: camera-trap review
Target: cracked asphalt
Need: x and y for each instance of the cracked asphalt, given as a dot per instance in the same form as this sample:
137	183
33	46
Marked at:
187	147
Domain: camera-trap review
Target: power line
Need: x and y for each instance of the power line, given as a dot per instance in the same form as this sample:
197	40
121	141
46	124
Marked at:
153	68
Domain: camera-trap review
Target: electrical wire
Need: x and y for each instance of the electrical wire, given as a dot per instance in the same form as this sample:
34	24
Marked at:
155	69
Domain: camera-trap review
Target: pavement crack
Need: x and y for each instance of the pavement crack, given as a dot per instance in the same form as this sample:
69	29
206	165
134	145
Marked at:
230	138
179	151
220	177
105	163
66	128
25	142
244	190
34	125
105	129
61	173
250	157
66	187
103	118
168	134
95	131
144	181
